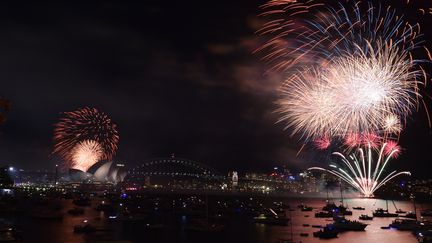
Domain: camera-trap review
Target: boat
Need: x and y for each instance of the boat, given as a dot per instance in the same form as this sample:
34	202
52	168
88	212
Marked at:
382	213
9	233
348	225
323	215
410	215
398	210
317	226
331	207
404	224
76	211
304	234
385	227
359	208
365	217
424	237
85	228
306	225
306	209
426	213
326	233
341	209
129	218
271	219
301	206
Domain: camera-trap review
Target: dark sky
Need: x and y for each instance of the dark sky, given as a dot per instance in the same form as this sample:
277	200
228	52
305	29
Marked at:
176	76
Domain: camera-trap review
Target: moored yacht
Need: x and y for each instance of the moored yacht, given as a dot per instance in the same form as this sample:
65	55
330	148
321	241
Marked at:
404	224
410	215
359	208
306	208
383	213
327	232
365	217
271	220
348	225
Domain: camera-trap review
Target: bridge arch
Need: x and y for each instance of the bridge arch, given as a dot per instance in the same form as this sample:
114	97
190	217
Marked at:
172	167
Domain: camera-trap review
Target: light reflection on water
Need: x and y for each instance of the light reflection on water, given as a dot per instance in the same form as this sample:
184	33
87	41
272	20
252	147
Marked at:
373	232
238	230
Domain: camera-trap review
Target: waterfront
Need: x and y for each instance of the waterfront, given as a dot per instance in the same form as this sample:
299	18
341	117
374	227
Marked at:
239	227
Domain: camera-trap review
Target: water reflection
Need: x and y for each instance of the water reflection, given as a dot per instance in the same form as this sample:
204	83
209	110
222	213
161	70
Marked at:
240	228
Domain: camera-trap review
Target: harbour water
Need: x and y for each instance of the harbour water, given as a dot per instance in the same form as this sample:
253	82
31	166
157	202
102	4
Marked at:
238	229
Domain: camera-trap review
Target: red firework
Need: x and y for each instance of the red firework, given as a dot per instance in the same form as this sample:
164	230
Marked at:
371	139
392	147
353	140
85	124
322	143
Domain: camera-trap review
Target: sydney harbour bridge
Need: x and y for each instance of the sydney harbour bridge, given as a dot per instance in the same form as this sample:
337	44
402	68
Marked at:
175	168
180	173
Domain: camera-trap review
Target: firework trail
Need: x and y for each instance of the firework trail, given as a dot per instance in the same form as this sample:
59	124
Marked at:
359	74
75	129
285	46
364	173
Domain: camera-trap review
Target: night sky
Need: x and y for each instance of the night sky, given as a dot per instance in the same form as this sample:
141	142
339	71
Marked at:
175	76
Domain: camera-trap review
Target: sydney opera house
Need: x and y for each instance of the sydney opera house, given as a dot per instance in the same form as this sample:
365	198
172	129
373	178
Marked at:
103	171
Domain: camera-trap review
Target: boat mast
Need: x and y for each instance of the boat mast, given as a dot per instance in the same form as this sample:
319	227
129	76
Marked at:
340	186
327	191
292	236
394	204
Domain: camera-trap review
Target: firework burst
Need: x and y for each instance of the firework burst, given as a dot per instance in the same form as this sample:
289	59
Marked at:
85	124
364	173
322	143
362	76
85	154
392	124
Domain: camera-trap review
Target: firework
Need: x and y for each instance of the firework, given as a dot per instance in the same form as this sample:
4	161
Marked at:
392	124
362	77
85	154
322	143
85	124
363	173
353	140
392	149
285	46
